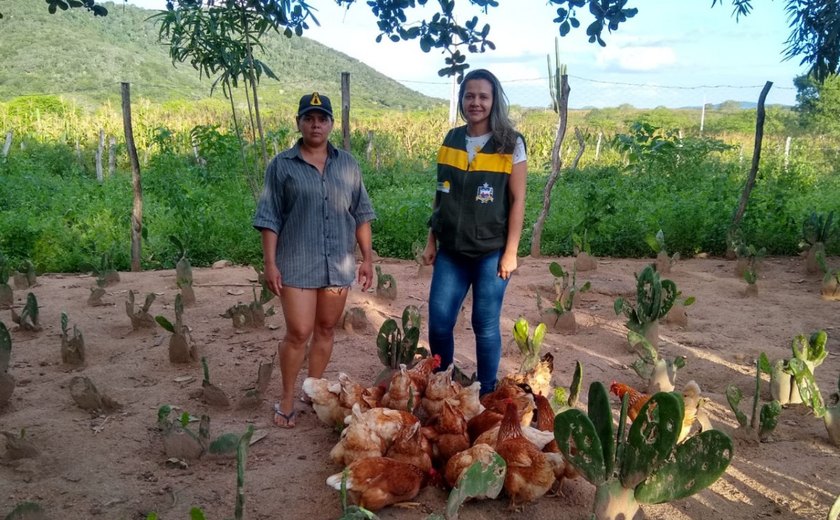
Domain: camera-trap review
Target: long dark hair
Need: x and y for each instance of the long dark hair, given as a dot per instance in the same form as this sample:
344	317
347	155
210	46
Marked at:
500	124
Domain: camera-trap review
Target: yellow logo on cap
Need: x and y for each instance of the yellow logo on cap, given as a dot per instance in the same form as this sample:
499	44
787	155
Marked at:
316	100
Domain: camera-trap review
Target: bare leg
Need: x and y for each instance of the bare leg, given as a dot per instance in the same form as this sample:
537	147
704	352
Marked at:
299	307
329	309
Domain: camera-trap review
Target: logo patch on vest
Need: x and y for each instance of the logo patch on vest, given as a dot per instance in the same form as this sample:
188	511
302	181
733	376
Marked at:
443	187
484	193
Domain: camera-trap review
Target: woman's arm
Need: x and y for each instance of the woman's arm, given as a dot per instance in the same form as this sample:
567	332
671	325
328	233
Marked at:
516	217
271	273
365	240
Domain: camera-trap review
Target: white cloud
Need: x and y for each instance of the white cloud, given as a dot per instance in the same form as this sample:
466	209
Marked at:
636	59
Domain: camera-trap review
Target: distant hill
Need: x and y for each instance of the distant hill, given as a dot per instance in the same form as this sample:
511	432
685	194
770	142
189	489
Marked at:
75	54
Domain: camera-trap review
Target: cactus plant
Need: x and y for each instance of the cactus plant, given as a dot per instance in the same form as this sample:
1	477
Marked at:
251	315
584	261
105	273
181	347
659	373
7	297
763	422
397	347
141	318
529	346
809	350
566	296
802	369
479	480
663	260
183	273
72	346
7	382
25	277
386	285
28	317
213	395
645	465
830	288
654	298
817	229
563	399
180	441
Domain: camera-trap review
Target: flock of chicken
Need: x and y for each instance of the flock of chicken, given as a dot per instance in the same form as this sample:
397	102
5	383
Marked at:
422	427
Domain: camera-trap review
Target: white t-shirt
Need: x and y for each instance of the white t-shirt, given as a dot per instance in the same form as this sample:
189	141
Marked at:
475	144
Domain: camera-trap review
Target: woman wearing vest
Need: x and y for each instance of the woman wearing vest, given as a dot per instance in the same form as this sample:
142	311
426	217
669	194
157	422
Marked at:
476	222
312	212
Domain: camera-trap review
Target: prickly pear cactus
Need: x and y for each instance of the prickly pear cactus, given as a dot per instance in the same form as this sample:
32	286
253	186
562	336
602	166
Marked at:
660	374
386	285
654	298
646	466
28	318
478	480
7	297
7	382
529	346
764	419
395	346
72	345
181	347
140	319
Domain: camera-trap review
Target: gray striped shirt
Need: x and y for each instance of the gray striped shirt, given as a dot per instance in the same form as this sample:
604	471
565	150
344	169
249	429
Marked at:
315	217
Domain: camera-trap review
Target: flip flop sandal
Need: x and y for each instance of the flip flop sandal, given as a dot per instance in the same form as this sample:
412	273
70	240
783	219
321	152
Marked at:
289	418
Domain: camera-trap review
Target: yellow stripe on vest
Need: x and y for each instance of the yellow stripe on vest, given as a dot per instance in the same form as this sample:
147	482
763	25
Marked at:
452	157
496	163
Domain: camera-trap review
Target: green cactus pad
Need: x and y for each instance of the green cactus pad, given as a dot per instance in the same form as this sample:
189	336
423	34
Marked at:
695	465
477	481
577	381
769	418
733	397
573	429
5	348
601	416
651	438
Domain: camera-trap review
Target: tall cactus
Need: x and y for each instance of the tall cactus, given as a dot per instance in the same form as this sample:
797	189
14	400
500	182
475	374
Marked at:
763	421
659	373
644	466
72	345
528	345
807	386
654	298
7	382
399	347
7	297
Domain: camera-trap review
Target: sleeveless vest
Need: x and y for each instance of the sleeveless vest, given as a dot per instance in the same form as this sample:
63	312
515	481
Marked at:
471	201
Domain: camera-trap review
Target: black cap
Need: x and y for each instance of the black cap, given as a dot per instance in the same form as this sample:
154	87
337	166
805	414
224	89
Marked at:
315	101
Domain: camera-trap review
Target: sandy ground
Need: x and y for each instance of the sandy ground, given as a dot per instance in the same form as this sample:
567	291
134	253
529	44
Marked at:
113	465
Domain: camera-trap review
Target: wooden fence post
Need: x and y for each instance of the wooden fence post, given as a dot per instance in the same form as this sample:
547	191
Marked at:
99	152
598	146
345	109
137	209
8	144
369	147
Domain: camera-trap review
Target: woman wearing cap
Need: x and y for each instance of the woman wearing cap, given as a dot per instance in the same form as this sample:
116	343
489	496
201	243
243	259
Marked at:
312	212
476	222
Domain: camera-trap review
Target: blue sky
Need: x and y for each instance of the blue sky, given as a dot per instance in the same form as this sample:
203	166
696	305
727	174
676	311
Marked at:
673	53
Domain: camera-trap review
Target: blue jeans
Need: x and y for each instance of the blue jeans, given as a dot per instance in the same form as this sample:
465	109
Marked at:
453	276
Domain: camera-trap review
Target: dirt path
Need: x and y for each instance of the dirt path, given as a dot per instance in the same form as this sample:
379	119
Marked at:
113	466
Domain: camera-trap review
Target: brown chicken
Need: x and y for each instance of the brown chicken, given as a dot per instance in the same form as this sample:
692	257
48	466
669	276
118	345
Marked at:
326	400
460	462
521	395
636	401
439	388
420	373
539	377
351	391
538	438
376	482
545	422
447	433
369	434
411	446
403	393
529	473
467	400
483	422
